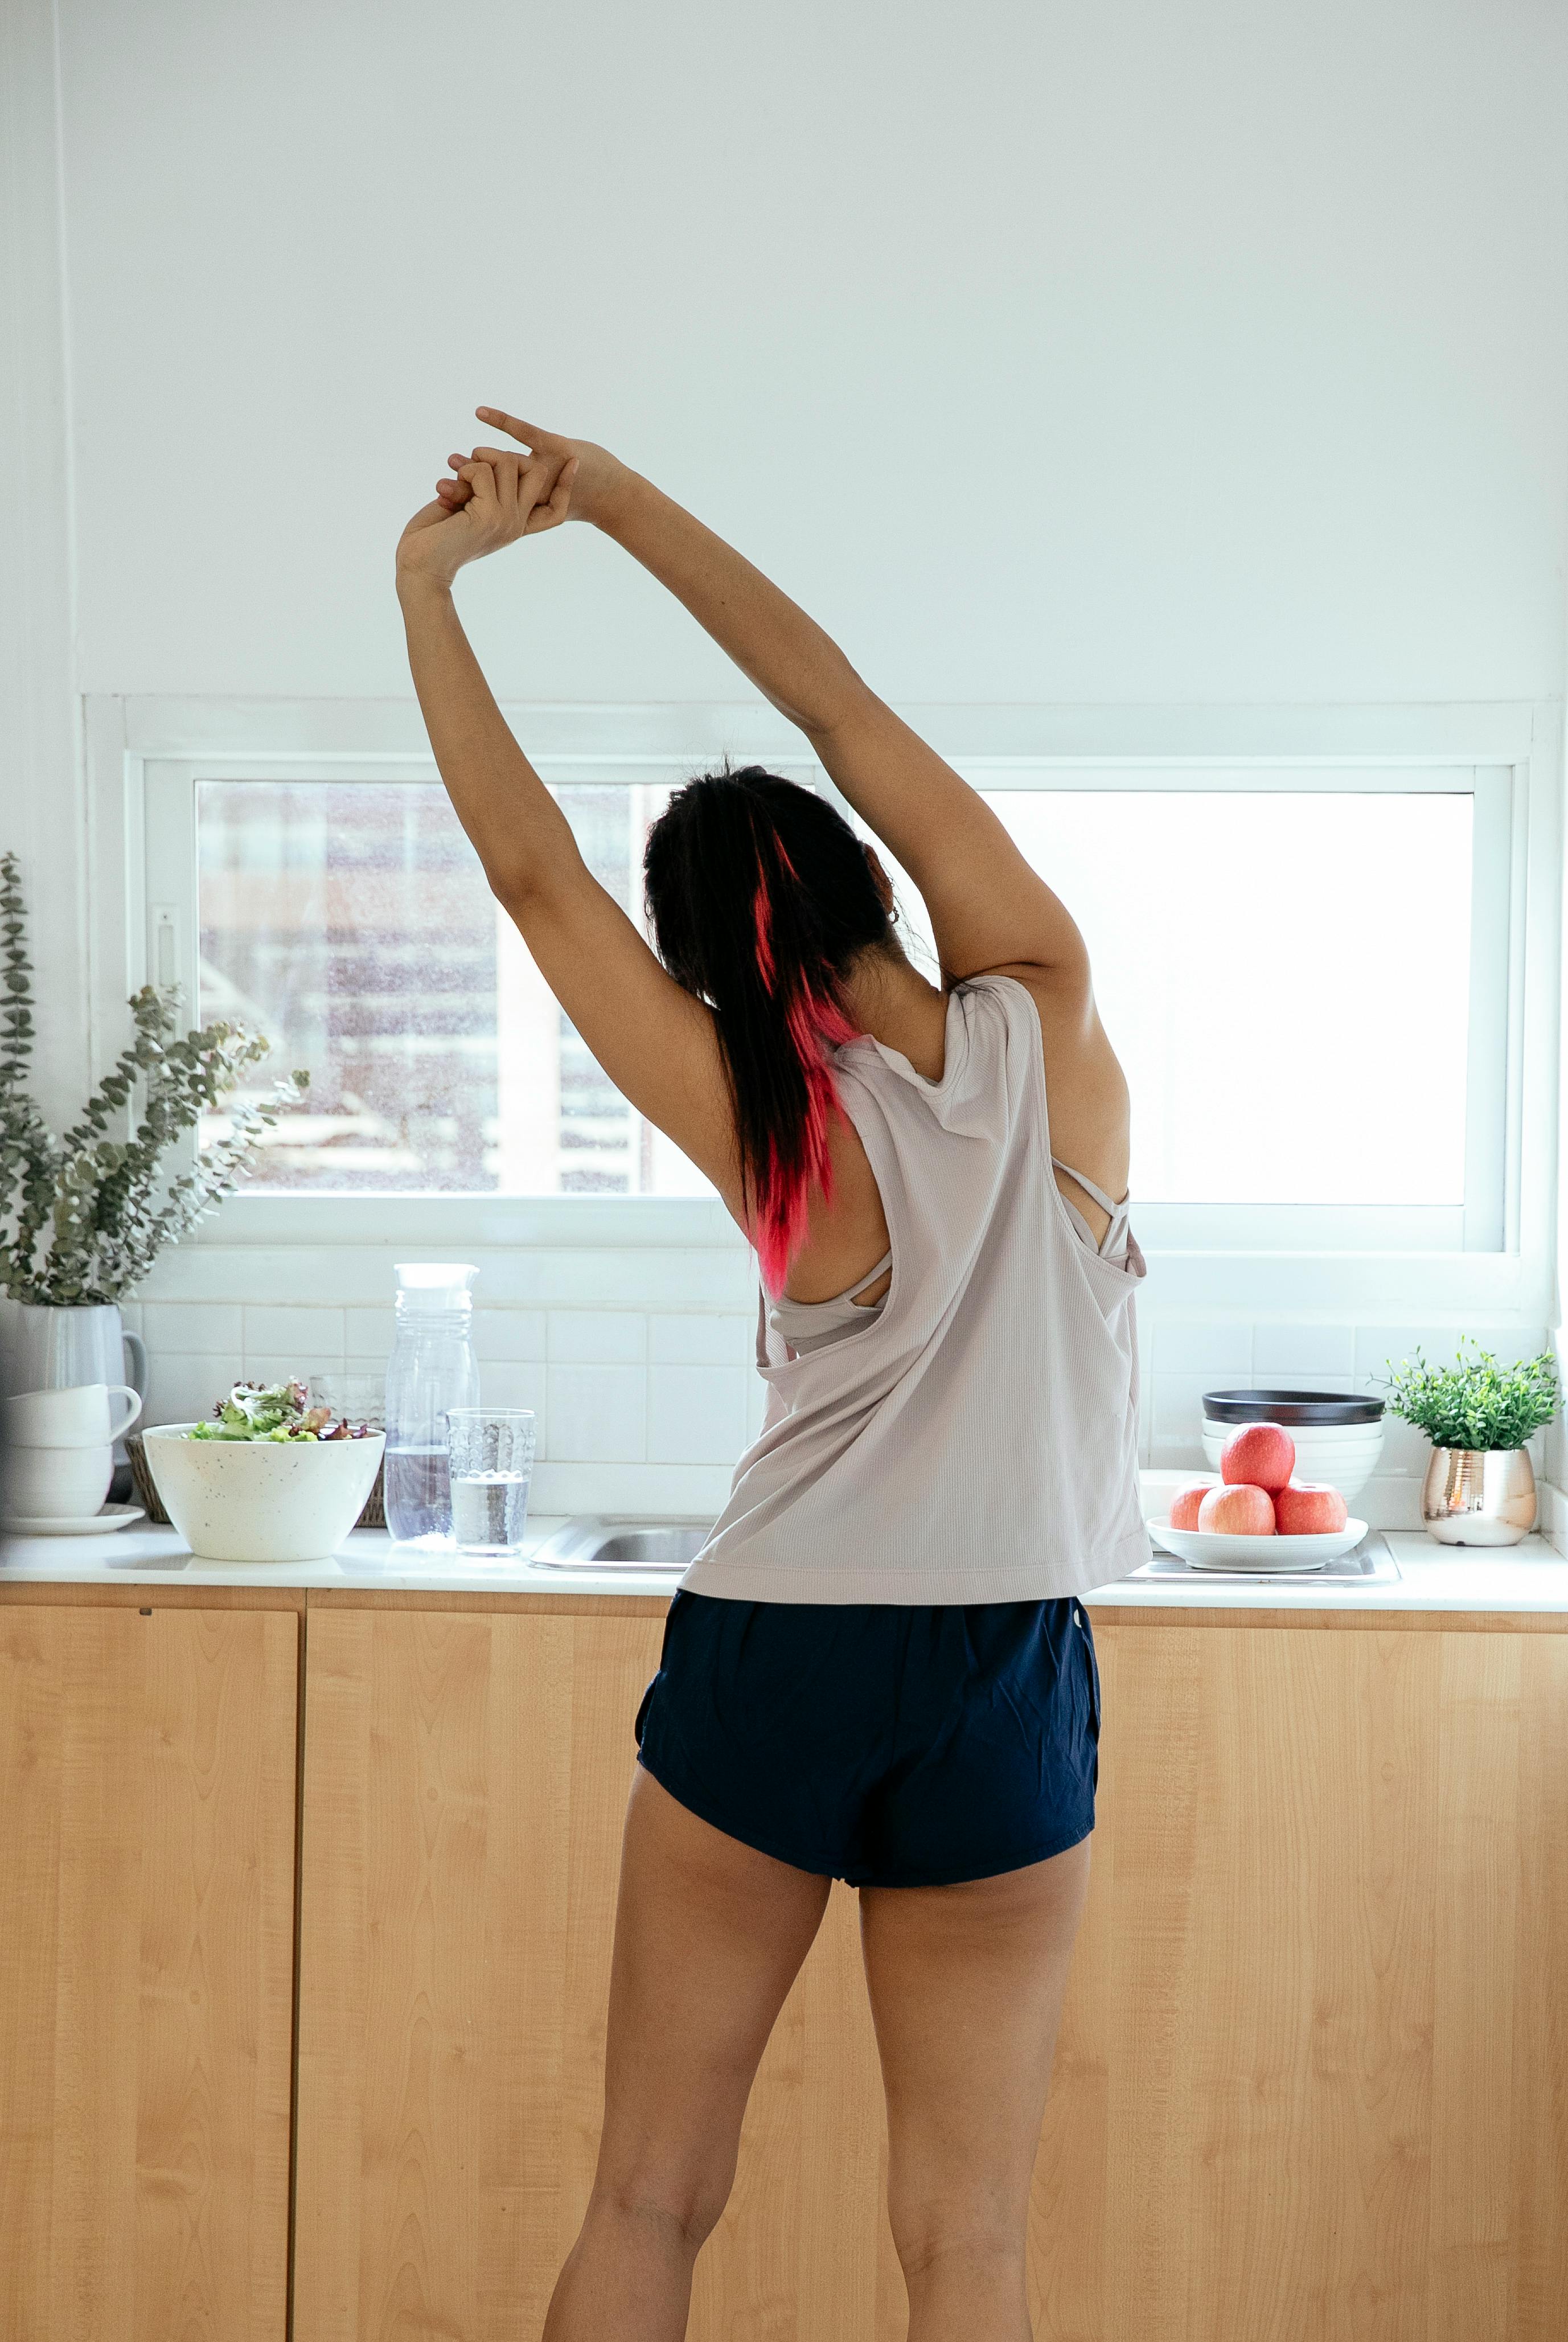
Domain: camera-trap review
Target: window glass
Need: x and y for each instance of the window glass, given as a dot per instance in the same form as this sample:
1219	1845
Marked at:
1286	976
351	923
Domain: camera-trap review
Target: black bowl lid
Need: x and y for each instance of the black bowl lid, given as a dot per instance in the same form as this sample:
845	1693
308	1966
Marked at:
1288	1406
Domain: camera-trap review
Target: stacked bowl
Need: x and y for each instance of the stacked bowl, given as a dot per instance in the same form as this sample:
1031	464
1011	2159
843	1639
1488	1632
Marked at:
1337	1439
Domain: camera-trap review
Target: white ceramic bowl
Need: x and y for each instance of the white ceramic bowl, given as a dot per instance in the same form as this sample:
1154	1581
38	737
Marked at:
1344	1455
1202	1549
261	1499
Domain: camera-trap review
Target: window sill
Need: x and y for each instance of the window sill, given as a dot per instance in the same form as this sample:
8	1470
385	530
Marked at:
1393	1285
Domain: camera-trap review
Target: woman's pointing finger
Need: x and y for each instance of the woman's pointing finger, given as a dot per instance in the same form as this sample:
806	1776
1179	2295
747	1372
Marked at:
515	427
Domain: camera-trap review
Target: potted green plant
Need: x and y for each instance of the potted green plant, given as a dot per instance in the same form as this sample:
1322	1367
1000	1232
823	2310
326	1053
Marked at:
84	1217
1480	1486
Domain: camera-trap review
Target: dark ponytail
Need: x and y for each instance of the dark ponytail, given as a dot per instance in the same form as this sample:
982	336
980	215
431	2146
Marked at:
760	897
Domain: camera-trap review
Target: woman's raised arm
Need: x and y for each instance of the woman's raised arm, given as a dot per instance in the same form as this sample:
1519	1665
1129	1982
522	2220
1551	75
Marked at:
989	909
655	1041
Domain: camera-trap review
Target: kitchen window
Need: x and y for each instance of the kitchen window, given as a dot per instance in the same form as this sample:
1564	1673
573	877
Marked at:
352	923
1309	969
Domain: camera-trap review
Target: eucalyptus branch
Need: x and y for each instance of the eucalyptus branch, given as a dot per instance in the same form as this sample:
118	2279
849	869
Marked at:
89	1214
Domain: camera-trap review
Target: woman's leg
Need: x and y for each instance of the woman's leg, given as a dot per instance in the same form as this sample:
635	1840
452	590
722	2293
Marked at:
966	1987
708	1937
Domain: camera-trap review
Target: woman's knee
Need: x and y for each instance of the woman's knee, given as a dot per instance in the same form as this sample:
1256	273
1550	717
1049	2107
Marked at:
681	2202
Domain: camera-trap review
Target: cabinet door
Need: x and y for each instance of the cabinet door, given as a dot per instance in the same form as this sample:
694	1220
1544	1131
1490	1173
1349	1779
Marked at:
1313	2076
465	1783
146	1959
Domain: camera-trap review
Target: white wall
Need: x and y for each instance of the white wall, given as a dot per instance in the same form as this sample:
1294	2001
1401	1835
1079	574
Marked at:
42	807
636	1359
1216	354
1050	352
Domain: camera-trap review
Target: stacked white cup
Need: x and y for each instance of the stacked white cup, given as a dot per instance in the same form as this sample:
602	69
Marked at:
59	1452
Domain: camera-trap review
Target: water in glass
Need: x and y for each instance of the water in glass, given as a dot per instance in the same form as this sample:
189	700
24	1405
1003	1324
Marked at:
489	1511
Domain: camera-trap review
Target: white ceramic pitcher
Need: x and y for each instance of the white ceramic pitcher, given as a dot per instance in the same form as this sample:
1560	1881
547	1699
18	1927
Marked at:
57	1347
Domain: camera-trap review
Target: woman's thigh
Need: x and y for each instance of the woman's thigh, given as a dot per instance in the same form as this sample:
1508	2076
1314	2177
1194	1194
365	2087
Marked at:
709	1935
966	1986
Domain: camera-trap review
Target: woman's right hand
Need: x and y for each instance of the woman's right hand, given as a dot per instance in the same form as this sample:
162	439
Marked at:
597	477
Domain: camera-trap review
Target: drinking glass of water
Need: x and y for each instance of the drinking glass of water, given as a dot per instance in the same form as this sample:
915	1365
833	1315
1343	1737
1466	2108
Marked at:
490	1451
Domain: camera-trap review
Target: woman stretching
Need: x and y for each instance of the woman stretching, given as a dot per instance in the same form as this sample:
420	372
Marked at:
877	1669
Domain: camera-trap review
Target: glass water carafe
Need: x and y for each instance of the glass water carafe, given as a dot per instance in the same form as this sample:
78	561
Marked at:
432	1370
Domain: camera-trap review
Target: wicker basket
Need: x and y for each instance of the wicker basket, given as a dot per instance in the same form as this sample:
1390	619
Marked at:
374	1516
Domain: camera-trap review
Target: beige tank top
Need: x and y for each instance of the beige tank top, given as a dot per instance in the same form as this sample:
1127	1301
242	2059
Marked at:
975	1440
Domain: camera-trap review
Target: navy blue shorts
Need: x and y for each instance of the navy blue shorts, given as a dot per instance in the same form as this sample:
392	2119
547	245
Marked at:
885	1745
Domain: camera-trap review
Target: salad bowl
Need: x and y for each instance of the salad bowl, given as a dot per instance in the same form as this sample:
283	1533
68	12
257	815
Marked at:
282	1494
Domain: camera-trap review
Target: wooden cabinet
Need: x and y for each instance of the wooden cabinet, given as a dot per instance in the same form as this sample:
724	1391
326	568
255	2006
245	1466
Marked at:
465	1781
147	1962
1313	2078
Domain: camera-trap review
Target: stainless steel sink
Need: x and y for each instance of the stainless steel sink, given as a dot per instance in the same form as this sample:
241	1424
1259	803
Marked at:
596	1541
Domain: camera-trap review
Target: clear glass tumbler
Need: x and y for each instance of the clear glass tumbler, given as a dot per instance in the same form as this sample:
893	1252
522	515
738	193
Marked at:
491	1463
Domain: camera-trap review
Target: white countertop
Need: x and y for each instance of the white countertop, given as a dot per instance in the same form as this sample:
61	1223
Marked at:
1531	1576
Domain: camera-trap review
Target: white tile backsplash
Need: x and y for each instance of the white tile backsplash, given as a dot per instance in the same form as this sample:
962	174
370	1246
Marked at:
596	1337
306	1274
504	1385
1405	1451
1176	1415
615	1277
697	1414
1321	1355
183	1389
703	1341
213	1328
1375	1345
700	1489
369	1333
284	1365
514	1334
598	1414
315	1336
1222	1352
638	1361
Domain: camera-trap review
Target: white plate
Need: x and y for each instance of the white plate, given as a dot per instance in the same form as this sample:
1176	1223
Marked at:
112	1517
1202	1549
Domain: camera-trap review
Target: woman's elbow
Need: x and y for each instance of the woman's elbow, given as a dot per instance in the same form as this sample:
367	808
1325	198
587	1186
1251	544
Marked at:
527	892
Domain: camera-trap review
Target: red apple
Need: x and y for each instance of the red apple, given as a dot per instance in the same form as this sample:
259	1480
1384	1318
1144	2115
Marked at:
1183	1514
1308	1508
1239	1509
1262	1455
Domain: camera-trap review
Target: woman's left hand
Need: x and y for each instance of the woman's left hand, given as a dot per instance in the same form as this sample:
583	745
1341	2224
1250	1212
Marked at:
505	496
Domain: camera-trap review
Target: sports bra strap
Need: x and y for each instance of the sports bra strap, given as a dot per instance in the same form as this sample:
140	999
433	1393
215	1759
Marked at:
861	1283
1098	1194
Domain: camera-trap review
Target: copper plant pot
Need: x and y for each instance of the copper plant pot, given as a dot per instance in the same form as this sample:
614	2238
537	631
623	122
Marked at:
1479	1495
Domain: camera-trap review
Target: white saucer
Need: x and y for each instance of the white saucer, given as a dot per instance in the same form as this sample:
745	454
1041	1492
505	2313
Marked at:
112	1517
1204	1549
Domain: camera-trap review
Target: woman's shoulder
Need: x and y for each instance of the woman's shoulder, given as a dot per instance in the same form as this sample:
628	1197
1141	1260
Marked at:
1005	1018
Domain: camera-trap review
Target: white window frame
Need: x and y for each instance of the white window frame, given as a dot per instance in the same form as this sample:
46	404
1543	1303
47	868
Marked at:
145	756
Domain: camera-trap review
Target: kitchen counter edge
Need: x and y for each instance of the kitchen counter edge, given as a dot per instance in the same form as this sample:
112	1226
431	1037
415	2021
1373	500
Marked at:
1525	1586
